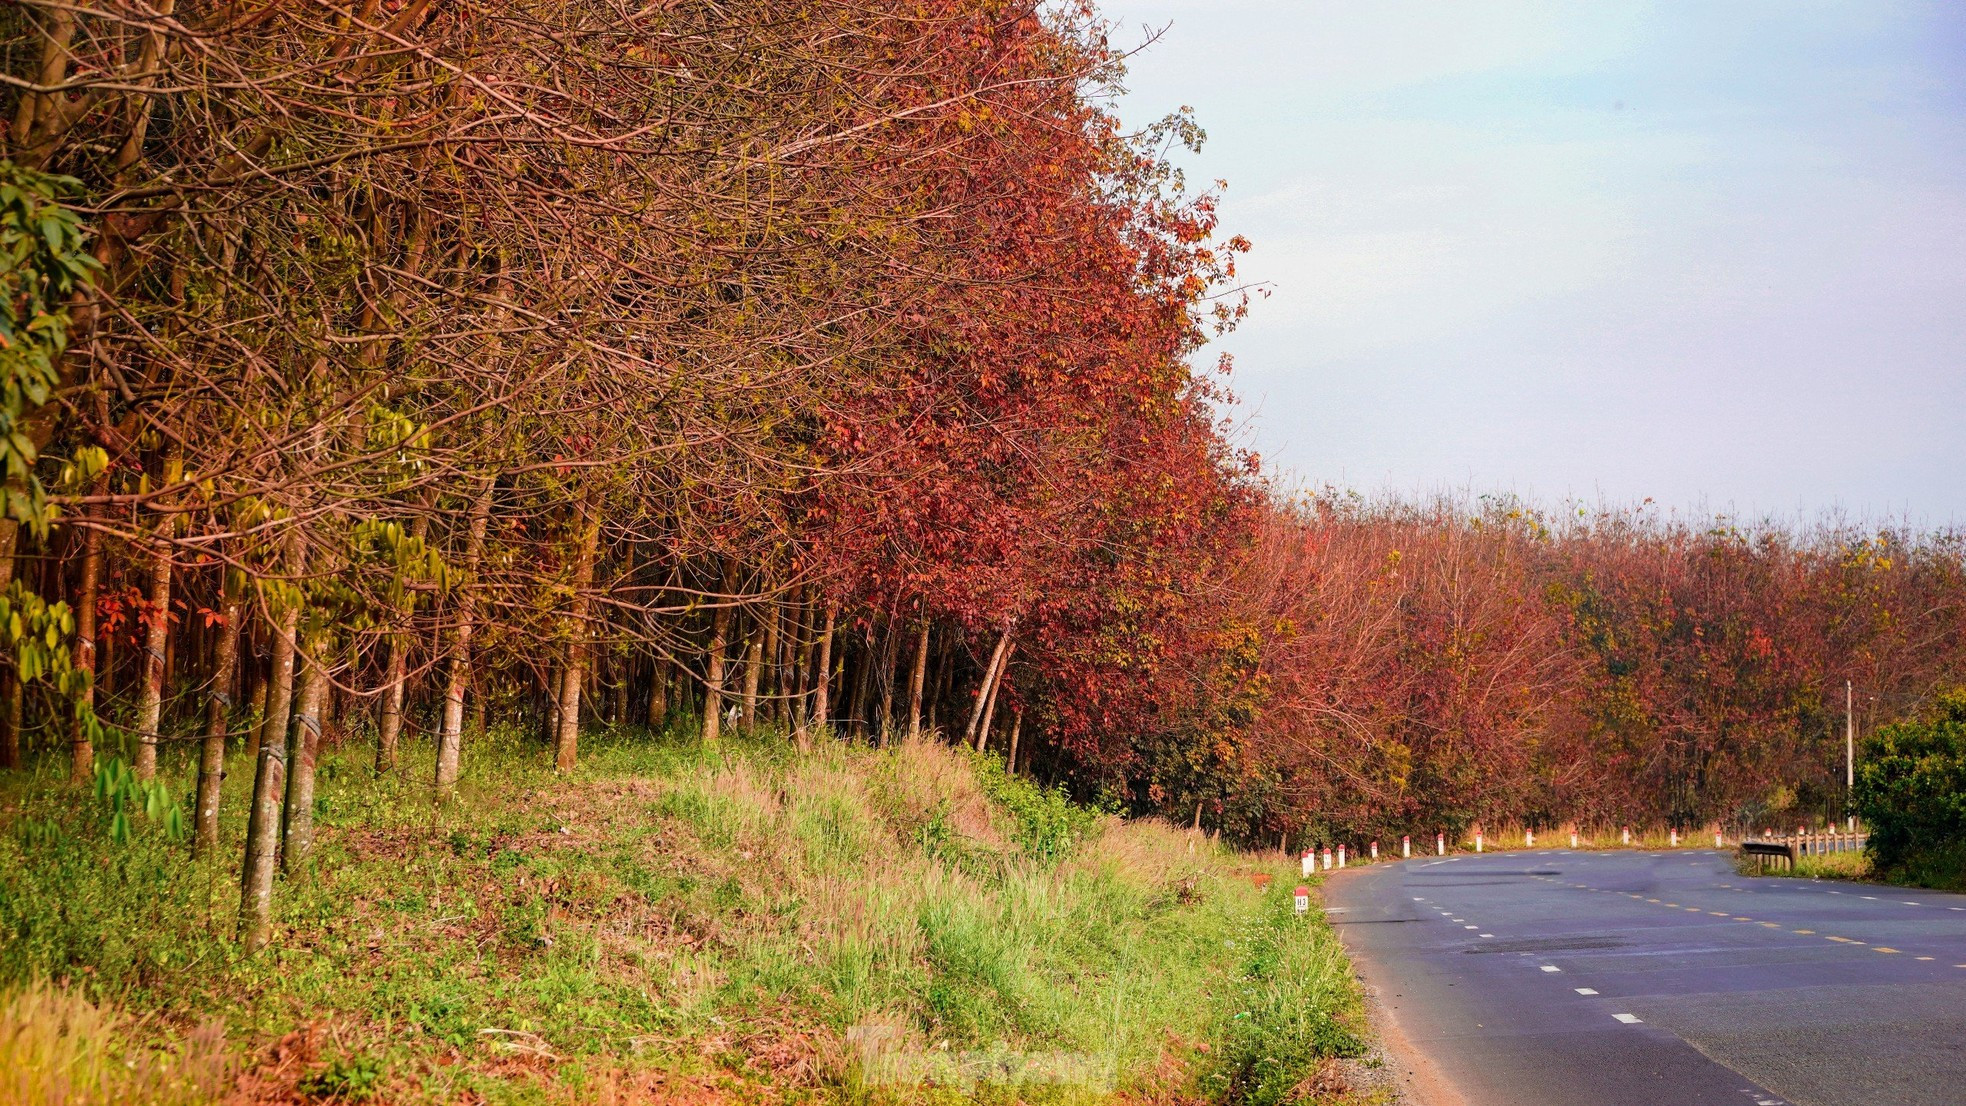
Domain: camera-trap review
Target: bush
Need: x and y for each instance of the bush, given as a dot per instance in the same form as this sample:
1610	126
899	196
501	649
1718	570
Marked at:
1911	792
1049	824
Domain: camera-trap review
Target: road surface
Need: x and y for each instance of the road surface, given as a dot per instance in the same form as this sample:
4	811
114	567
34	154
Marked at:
1660	979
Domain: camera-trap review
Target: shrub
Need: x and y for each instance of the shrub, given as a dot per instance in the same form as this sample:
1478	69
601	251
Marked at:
1911	791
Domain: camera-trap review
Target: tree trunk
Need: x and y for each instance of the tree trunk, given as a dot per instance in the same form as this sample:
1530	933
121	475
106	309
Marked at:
269	791
255	665
861	716
10	720
890	663
713	669
772	678
280	684
157	630
658	712
82	758
1016	728
917	680
211	761
754	671
303	752
983	689
555	681
567	747
823	679
450	735
801	673
990	707
389	727
618	668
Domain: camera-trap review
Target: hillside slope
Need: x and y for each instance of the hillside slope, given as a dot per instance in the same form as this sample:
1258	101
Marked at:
670	923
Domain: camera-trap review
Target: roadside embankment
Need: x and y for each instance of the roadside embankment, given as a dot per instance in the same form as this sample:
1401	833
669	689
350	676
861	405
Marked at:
672	922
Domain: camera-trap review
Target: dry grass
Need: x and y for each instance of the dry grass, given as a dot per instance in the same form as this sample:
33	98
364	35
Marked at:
59	1049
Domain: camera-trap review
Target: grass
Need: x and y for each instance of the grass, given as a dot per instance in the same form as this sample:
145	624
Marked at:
1939	869
672	923
1854	866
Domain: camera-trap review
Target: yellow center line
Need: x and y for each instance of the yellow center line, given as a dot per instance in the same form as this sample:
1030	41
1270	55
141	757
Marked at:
1718	914
1772	925
1845	940
1881	948
1804	932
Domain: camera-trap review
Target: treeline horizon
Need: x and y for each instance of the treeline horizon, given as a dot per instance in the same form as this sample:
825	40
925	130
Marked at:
1437	663
384	373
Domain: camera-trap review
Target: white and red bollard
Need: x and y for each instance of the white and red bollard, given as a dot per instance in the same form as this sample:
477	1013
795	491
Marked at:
1717	842
1628	835
1528	839
1477	840
1327	860
1672	837
1310	861
1405	846
1341	856
1440	844
1302	899
1573	839
1375	850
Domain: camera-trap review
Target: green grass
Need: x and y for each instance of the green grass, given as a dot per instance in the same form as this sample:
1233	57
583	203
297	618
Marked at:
673	921
1851	866
1939	869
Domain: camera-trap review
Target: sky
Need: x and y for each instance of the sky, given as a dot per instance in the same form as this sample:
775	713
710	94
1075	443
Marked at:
1710	252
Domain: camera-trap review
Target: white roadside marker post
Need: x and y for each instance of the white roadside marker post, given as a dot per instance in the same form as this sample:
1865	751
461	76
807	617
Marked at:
1477	840
1406	846
1628	835
1310	861
1717	843
1327	860
1440	844
1672	836
1341	856
1375	850
1528	839
1302	900
1573	839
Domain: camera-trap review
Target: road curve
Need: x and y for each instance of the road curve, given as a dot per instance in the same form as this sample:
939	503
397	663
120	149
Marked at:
1661	979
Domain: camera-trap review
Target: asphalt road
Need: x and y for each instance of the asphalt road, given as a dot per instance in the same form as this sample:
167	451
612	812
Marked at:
1661	979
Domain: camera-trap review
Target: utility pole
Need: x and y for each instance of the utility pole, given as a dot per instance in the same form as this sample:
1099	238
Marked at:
1849	752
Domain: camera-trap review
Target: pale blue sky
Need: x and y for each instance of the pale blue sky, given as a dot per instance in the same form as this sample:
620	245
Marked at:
1713	253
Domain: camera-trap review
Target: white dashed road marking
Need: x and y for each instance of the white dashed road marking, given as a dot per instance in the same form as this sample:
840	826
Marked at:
1551	968
1628	1019
1585	991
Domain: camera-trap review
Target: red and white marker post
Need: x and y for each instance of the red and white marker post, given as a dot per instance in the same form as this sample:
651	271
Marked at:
1341	856
1440	844
1406	846
1303	899
1375	850
1672	837
1528	839
1628	835
1327	860
1477	840
1310	861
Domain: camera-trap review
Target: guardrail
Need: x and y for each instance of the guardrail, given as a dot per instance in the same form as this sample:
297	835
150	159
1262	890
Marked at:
1793	847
